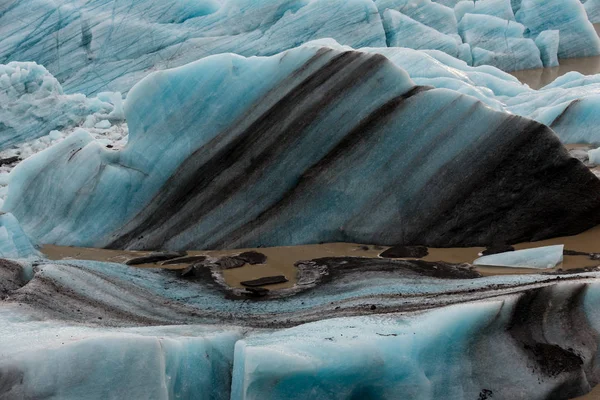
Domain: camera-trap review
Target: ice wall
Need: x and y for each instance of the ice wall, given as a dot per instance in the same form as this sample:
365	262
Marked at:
97	333
109	46
229	152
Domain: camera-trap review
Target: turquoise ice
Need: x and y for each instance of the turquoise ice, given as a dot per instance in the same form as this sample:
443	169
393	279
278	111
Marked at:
539	257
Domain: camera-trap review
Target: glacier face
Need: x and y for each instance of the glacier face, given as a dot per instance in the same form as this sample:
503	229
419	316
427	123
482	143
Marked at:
248	178
100	330
109	46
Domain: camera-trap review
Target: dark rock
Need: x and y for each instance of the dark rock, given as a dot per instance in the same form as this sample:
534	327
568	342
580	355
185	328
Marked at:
230	262
257	291
11	277
373	307
252	257
268	280
155	257
337	266
9	160
497	249
185	260
405	252
485	394
575	253
189	271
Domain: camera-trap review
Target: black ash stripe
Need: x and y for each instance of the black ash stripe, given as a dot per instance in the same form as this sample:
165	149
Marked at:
194	177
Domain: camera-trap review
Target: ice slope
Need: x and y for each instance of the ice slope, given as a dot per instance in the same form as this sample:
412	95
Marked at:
109	45
32	104
402	31
539	257
569	105
230	152
94	328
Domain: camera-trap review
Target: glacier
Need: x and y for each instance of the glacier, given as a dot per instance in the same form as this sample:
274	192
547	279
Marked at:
251	123
105	46
243	180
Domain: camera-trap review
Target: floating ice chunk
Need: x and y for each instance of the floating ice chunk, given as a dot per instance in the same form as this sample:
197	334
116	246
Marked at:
502	41
548	42
539	257
578	37
594	156
402	31
104	124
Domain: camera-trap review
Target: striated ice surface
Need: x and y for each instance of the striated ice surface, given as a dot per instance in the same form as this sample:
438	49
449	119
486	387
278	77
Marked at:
106	46
497	8
402	31
539	257
499	42
577	35
175	185
592	8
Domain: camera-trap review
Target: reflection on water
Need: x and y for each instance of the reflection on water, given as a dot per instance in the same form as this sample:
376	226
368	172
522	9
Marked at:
538	78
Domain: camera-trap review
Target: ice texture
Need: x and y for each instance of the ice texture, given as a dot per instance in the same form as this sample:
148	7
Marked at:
91	47
538	257
568	105
592	8
499	42
93	330
402	31
548	42
242	179
32	103
497	8
106	46
578	37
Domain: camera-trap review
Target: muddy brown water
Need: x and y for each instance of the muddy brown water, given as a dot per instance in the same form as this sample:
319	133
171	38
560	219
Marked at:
538	78
281	260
